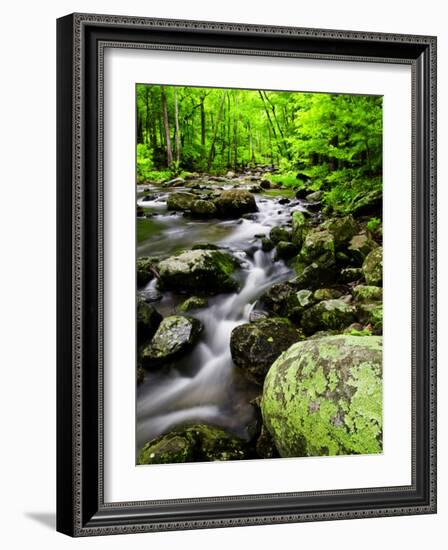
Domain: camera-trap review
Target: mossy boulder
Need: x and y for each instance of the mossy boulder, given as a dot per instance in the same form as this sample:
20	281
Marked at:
145	268
148	321
373	267
255	346
285	250
195	443
318	247
313	275
360	246
371	314
266	244
314	196
276	298
203	271
174	337
324	397
194	302
203	209
299	227
235	202
367	293
342	229
367	204
328	315
280	234
180	201
327	294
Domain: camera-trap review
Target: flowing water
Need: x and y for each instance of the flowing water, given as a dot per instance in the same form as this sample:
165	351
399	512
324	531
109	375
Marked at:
205	386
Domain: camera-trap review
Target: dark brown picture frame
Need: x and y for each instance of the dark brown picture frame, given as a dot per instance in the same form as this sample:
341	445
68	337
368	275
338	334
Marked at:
81	509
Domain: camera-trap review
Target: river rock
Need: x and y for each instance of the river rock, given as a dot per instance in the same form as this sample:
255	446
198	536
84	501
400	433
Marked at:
194	302
299	227
265	184
148	321
313	276
315	196
318	247
276	298
360	246
232	203
324	397
203	271
196	443
278	234
351	274
255	346
342	229
373	267
285	250
328	315
180	201
175	336
368	293
203	208
266	244
327	294
371	314
367	204
145	270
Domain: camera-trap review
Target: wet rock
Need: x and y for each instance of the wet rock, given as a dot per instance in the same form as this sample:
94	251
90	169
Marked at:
351	274
203	208
257	314
145	267
318	247
148	321
315	196
313	276
194	302
284	200
140	212
324	397
174	337
175	182
265	184
368	204
278	234
235	202
150	294
203	271
360	246
367	293
342	229
196	443
371	314
267	245
327	315
301	194
230	174
180	201
140	376
286	250
327	294
373	267
299	227
255	346
276	298
205	246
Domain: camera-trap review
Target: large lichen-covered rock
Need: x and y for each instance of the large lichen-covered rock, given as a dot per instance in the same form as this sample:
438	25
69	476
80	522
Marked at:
324	397
234	202
203	271
328	315
299	227
203	209
318	247
373	267
255	346
148	321
196	443
175	336
145	268
342	229
180	200
359	247
279	234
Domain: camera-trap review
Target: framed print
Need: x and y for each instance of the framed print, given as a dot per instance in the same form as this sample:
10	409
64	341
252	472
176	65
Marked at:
246	274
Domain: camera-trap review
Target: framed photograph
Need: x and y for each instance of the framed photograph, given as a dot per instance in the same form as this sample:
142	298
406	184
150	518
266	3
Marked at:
246	274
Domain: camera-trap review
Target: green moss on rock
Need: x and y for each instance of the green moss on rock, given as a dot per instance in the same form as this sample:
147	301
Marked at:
373	267
324	397
328	315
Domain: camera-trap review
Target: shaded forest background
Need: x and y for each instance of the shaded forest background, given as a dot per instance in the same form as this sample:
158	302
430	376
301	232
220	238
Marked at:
322	141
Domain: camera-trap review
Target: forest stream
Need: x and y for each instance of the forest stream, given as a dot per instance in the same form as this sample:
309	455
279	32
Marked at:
205	386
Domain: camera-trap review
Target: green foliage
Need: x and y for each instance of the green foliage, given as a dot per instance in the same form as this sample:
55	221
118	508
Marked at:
363	332
373	224
322	141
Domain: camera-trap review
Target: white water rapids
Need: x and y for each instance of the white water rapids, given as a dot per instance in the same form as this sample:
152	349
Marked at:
205	386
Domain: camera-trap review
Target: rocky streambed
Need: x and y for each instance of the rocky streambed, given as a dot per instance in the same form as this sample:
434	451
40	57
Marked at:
259	323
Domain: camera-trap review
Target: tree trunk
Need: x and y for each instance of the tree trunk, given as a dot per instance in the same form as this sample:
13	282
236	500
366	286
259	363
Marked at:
176	121
215	132
166	124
